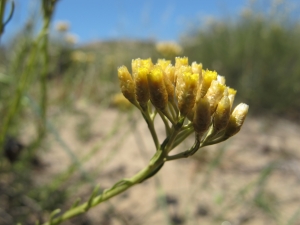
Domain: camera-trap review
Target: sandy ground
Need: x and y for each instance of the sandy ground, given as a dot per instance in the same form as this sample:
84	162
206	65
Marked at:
253	178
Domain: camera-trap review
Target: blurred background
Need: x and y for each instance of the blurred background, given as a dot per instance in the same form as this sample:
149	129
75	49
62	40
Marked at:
92	135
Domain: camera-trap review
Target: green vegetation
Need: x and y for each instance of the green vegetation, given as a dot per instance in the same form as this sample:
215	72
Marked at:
259	54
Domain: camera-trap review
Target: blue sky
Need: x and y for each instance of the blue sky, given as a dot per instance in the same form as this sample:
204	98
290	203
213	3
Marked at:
93	20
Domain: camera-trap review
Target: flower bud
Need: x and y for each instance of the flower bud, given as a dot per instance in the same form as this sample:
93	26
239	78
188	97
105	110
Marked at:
222	114
157	88
126	84
202	117
179	77
170	73
137	63
181	61
147	63
207	77
186	90
236	119
197	68
191	113
214	94
163	63
221	79
141	85
231	95
169	87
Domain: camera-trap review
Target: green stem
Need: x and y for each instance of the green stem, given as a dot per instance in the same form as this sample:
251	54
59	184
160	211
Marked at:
121	186
150	123
168	143
2	9
168	129
215	141
26	75
169	116
182	136
43	78
186	153
175	107
172	110
21	86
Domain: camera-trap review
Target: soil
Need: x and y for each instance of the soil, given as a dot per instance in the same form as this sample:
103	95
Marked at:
252	178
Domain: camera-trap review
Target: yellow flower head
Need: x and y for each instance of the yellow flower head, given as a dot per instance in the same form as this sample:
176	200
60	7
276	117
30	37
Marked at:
231	95
157	88
126	84
214	94
236	119
141	85
163	63
168	49
207	77
170	73
222	114
186	89
197	68
181	61
184	92
202	116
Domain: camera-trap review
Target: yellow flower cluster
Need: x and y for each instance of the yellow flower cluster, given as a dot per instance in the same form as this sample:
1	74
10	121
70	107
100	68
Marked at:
82	57
168	49
62	26
71	38
198	95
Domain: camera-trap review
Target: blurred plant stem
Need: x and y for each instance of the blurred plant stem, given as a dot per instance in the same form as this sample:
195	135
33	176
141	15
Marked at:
2	7
155	164
40	44
2	12
47	8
